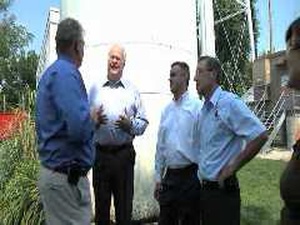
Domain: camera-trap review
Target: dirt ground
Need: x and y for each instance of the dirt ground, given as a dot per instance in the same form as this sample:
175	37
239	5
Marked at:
277	154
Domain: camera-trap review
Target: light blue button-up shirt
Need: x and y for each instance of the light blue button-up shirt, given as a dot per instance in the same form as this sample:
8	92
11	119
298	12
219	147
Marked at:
226	126
121	98
177	140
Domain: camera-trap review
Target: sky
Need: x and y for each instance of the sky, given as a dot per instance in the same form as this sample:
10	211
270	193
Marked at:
33	14
283	13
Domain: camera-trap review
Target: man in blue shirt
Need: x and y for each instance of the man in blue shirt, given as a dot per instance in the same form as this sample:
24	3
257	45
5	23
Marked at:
64	132
177	186
230	135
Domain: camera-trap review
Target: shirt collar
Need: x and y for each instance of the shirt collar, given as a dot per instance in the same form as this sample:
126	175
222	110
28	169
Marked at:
66	58
114	84
182	97
215	96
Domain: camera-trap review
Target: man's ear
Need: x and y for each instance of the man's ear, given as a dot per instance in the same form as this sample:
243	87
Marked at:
213	74
76	47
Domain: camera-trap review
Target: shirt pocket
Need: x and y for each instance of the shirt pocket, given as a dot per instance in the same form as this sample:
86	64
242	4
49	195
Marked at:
219	128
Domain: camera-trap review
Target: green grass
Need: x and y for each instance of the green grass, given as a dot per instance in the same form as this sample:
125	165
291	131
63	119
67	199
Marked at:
259	182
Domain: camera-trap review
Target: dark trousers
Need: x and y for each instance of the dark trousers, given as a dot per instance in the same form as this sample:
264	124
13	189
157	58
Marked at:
179	197
113	174
290	191
220	205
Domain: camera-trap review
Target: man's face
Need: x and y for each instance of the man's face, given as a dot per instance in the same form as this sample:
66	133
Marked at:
116	63
293	60
204	78
178	80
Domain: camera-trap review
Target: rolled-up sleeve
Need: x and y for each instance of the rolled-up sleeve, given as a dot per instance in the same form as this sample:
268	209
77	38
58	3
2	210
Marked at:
139	121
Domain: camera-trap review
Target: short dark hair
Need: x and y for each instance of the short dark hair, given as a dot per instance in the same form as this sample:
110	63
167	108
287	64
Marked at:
68	31
185	68
295	24
212	63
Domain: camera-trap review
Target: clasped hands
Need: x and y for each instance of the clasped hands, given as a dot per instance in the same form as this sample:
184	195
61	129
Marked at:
123	122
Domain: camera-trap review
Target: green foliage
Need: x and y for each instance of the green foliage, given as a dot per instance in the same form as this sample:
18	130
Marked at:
10	156
20	202
4	4
17	67
261	203
19	198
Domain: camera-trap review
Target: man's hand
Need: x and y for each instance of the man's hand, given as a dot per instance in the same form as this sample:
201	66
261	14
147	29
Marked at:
157	189
98	116
124	123
226	172
251	149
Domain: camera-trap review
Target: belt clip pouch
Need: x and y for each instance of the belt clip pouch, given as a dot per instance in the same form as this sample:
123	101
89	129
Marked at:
73	176
231	184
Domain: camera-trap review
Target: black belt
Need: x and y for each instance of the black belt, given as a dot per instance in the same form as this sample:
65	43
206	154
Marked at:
112	149
67	170
73	173
230	183
187	169
210	185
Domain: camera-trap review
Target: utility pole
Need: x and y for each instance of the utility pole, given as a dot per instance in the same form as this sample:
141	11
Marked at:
270	26
207	27
251	32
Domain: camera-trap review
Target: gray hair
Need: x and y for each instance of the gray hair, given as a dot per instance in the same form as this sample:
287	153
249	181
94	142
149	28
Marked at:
122	49
211	64
68	31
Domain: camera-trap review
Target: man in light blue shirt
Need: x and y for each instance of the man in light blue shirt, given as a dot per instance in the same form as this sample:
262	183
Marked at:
230	136
177	186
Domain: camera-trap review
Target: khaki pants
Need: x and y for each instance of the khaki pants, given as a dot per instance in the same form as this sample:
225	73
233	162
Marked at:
64	204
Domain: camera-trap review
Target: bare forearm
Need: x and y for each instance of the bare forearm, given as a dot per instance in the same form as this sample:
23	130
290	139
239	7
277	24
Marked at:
250	151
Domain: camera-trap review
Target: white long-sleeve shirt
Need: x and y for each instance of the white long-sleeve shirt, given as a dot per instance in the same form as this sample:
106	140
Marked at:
177	144
121	98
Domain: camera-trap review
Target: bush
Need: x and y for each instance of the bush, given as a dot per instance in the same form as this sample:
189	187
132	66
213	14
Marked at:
20	201
19	197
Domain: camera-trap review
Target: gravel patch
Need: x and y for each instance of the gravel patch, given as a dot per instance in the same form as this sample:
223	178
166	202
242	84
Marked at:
277	154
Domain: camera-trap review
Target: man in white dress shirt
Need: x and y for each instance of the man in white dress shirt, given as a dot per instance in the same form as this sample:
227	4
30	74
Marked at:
177	186
119	116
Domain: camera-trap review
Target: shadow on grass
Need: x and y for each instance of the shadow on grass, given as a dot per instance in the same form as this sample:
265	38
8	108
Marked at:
254	215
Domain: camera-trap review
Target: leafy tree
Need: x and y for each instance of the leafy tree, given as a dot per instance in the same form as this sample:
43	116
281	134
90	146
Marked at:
4	4
17	67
